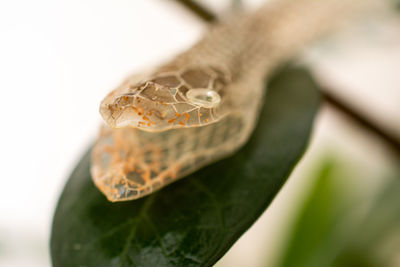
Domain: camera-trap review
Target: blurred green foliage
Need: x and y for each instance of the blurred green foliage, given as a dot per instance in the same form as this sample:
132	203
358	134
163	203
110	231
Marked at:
339	228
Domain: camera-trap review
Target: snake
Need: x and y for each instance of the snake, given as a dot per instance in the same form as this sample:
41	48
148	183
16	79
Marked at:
203	104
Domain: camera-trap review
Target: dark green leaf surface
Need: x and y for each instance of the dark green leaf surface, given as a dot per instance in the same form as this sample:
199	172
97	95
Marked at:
194	221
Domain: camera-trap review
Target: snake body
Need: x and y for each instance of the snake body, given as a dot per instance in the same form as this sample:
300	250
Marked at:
203	105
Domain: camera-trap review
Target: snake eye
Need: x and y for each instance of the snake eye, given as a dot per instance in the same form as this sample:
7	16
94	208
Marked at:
203	97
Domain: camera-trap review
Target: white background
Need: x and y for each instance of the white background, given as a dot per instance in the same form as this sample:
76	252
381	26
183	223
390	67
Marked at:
59	58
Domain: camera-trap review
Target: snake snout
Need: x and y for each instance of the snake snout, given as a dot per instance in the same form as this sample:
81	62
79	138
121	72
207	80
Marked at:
155	105
132	110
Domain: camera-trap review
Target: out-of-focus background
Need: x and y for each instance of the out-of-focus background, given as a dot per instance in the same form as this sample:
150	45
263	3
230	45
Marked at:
59	58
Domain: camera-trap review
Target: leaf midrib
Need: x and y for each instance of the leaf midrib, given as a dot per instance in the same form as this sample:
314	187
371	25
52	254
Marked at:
132	233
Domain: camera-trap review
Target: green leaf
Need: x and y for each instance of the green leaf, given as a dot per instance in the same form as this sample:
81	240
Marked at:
331	231
315	238
194	221
376	238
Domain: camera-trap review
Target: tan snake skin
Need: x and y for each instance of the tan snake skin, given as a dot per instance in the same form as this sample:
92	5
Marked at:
203	105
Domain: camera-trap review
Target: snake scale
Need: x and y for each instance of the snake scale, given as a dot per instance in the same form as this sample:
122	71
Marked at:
203	105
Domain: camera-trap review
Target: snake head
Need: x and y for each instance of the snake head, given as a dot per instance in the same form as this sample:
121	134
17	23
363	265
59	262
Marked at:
189	98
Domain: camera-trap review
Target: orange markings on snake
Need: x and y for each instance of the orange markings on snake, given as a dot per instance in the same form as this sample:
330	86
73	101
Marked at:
186	117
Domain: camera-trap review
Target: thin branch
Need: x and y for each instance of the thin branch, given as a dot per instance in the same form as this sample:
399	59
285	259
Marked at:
357	117
361	120
199	10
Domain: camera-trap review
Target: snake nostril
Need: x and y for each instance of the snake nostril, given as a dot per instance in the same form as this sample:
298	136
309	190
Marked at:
124	100
160	115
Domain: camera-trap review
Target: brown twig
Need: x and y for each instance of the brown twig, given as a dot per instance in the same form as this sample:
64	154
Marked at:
357	117
361	120
199	10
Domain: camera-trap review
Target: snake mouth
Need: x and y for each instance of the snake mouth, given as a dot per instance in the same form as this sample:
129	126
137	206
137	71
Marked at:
130	116
136	112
